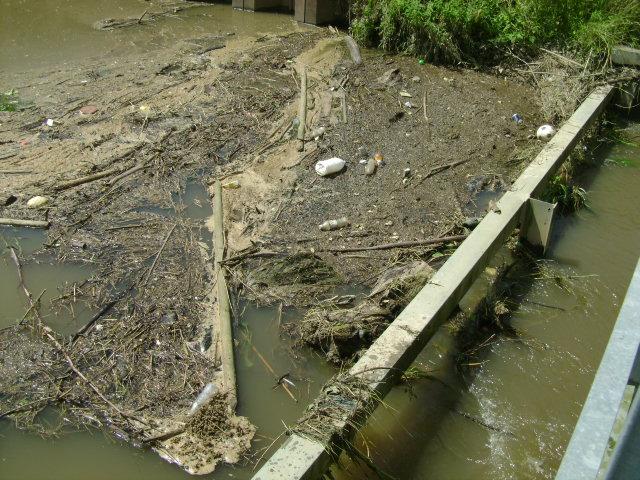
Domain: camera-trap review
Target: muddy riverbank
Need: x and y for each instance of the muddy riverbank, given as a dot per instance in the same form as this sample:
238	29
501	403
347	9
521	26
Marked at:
113	146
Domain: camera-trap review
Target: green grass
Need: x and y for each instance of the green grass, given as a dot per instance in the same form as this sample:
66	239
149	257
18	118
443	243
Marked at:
8	101
569	197
474	30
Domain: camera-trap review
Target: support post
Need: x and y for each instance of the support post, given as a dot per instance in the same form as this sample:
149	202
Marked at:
537	223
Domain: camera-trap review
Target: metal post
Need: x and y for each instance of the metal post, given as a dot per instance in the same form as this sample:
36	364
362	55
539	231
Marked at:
625	462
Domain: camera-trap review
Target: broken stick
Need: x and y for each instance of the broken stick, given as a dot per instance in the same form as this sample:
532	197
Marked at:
21	284
267	365
24	223
424	112
441	168
126	173
86	179
33	304
155	260
389	246
224	308
302	113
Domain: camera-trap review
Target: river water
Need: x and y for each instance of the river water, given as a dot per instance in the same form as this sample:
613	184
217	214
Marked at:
56	33
509	415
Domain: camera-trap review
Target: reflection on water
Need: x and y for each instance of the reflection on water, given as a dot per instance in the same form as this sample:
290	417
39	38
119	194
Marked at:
45	278
51	33
513	417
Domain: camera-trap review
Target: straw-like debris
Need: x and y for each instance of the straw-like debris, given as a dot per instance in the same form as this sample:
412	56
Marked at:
343	332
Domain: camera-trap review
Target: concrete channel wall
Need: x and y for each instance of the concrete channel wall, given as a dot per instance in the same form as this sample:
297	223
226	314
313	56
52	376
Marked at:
315	12
307	456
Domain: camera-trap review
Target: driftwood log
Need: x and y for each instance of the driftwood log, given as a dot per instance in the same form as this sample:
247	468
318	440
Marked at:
302	113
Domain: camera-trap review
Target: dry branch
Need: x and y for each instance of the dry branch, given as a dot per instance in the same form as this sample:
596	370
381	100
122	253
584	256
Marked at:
126	173
441	168
24	223
302	113
87	179
389	246
21	284
155	260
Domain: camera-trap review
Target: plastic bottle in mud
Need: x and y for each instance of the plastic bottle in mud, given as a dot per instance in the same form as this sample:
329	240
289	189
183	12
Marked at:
334	224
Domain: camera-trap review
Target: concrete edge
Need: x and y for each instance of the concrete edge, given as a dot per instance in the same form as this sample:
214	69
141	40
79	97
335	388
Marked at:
404	339
622	55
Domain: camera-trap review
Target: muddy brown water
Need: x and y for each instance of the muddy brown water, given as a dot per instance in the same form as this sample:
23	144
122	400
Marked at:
55	33
511	418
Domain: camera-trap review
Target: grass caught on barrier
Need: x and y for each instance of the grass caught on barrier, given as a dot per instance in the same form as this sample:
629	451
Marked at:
472	30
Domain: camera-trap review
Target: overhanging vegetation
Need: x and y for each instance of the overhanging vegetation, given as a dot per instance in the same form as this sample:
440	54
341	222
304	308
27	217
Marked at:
472	30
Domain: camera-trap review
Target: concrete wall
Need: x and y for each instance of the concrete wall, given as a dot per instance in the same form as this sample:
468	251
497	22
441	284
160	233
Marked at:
317	12
263	4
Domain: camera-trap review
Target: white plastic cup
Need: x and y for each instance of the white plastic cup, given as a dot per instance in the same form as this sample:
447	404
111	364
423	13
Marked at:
327	167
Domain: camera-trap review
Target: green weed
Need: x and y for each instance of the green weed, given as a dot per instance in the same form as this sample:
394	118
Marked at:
450	30
569	197
8	101
620	136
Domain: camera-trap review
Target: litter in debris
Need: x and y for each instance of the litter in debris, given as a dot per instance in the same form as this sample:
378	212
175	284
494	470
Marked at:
327	167
232	185
334	224
37	201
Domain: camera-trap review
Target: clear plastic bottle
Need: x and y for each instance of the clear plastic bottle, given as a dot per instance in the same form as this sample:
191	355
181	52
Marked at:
334	224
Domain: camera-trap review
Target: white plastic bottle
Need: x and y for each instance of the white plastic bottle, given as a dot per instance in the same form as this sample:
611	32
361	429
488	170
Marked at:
327	167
